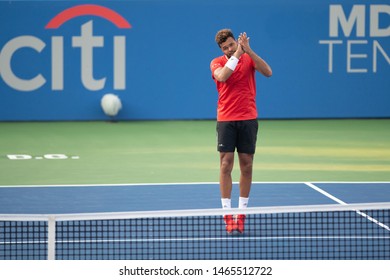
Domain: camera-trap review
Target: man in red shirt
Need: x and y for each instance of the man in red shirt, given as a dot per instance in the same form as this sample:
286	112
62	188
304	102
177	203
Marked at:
234	75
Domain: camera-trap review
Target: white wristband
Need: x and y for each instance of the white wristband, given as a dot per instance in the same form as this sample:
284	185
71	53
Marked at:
232	63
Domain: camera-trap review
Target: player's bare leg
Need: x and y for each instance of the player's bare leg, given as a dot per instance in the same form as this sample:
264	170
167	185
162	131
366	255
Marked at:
246	167
225	175
226	185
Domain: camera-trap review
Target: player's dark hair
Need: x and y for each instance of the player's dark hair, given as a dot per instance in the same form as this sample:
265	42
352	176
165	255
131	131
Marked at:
223	35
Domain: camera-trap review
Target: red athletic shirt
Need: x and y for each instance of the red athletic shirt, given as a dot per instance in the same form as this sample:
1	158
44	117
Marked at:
236	96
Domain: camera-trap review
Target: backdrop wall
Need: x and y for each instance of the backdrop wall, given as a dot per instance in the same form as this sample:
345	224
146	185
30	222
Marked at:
330	59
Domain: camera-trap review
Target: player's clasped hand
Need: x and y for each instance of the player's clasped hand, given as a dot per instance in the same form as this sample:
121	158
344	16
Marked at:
243	41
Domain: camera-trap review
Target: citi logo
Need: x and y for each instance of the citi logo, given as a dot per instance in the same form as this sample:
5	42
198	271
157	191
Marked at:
86	42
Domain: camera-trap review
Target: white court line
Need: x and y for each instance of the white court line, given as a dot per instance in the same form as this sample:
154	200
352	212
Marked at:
110	185
311	185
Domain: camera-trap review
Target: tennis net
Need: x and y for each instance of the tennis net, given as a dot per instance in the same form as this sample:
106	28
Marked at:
354	231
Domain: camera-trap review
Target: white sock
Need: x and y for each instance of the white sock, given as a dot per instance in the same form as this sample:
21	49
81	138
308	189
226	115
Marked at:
226	203
243	202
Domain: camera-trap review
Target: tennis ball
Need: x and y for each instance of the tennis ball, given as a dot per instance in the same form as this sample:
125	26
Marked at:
111	104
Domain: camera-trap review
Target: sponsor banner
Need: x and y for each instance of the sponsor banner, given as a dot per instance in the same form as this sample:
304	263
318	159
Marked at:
330	59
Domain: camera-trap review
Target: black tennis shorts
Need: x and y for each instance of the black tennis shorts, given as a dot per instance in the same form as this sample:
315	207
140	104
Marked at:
237	134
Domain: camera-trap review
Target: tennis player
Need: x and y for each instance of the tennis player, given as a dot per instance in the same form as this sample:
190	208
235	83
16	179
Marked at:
234	75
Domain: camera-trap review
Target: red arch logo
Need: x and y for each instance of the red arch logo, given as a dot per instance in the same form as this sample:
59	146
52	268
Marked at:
88	10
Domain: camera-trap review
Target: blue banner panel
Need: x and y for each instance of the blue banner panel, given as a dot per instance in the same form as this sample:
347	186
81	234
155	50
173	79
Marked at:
330	59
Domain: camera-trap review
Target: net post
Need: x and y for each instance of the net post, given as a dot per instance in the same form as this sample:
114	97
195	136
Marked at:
51	242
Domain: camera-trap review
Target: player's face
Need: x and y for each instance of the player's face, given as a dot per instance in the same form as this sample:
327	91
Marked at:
229	47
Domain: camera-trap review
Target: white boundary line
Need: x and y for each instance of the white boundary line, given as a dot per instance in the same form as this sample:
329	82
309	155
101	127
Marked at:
181	184
314	187
364	215
110	185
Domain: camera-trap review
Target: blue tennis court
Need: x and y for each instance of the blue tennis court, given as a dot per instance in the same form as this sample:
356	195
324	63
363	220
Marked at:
182	221
61	199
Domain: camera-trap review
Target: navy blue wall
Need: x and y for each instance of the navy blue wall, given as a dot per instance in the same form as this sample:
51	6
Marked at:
168	49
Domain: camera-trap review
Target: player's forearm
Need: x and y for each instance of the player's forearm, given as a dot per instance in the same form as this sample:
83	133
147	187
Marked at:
222	74
260	64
